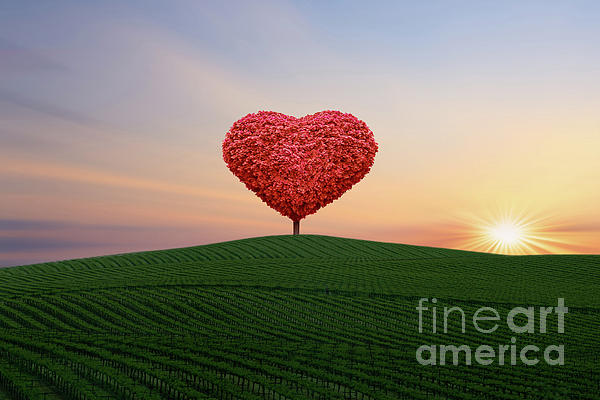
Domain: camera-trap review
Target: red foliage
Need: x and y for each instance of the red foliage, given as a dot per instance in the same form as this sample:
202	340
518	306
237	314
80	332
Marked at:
298	165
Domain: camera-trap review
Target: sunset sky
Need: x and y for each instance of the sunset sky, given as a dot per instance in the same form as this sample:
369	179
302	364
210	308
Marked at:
112	116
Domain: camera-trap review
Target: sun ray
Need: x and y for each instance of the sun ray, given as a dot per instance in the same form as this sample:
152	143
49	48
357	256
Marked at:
510	232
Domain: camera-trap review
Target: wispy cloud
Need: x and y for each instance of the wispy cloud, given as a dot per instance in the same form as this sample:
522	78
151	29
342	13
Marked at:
19	244
591	226
74	173
41	225
48	109
16	59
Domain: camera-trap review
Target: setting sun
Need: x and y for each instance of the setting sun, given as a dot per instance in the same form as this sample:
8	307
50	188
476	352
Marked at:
511	232
507	233
506	236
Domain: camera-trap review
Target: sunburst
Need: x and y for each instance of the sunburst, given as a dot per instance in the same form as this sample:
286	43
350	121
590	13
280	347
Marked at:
509	232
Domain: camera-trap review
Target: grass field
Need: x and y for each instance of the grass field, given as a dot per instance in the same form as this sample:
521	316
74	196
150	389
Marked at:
288	317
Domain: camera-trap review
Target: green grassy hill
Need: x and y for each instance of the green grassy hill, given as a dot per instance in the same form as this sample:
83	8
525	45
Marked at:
287	317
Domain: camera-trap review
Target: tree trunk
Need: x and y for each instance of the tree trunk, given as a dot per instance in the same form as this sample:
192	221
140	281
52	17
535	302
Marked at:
296	227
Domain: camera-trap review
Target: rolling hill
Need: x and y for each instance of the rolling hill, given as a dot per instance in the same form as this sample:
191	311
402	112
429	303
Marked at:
289	317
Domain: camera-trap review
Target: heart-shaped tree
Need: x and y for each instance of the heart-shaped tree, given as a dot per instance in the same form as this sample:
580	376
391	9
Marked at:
298	165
